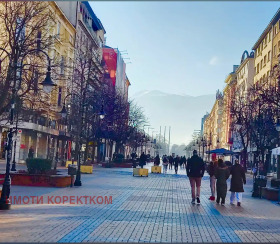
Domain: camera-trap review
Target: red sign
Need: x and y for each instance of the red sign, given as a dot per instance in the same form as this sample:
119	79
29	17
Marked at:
19	131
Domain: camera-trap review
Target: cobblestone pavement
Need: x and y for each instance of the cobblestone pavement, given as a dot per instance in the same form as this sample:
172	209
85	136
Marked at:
144	209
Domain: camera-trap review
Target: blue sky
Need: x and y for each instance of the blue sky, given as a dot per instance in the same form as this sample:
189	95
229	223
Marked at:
182	47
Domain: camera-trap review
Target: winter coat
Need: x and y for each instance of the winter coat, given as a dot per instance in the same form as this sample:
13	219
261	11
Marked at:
176	161
142	160
165	161
211	169
171	160
157	160
238	178
222	174
195	167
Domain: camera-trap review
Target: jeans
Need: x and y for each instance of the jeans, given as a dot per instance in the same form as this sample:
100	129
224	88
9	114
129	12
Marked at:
165	168
195	182
213	185
238	196
176	169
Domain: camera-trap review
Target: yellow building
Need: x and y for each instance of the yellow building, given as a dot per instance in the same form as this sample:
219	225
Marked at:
213	124
225	134
267	49
42	128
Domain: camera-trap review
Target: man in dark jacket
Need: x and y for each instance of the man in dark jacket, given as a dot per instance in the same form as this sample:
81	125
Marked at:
171	161
195	171
176	163
157	161
238	178
142	160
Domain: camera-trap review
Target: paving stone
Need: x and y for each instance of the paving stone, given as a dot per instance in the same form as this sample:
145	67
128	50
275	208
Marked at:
144	209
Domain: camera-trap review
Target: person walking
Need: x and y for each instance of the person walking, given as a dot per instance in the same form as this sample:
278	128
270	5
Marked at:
238	179
222	174
195	171
184	162
171	160
165	164
142	160
176	163
211	171
31	152
157	160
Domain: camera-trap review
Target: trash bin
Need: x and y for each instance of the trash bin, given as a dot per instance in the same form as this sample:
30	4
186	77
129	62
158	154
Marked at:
259	182
72	170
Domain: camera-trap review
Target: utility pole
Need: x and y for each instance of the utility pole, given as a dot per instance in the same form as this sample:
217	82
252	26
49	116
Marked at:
164	140
159	134
169	140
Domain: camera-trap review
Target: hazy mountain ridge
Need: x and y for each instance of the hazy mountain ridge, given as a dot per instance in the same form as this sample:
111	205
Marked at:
182	112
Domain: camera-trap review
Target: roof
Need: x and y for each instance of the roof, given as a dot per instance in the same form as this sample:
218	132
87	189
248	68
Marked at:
267	29
96	21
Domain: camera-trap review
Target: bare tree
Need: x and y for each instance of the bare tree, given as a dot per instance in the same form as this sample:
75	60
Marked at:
24	30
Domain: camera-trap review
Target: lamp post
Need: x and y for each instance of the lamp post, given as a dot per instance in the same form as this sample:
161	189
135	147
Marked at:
48	84
63	113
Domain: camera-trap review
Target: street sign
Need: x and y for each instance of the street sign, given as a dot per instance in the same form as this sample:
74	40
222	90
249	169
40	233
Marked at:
19	131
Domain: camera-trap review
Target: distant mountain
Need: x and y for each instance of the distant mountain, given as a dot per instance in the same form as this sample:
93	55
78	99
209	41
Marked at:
182	112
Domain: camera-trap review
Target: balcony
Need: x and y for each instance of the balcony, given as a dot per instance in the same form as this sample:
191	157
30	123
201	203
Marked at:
90	30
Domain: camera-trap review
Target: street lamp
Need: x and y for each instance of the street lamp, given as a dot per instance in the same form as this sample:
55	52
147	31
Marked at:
102	113
48	84
277	126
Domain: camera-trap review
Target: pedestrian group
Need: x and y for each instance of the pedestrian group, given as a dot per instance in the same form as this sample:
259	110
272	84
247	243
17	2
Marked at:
218	170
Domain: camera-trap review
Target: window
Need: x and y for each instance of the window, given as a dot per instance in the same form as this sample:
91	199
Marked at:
20	29
71	39
58	29
279	24
261	64
268	56
274	51
275	30
269	36
264	60
59	96
258	68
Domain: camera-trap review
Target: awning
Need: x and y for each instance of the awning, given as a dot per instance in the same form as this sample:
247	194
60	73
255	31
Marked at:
221	151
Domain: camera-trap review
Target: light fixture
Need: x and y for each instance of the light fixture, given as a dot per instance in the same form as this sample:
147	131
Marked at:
48	83
102	113
63	112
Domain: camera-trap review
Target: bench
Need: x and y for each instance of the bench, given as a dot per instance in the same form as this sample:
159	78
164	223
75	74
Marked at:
270	193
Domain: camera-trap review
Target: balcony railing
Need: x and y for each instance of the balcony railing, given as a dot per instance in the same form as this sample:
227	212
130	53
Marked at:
89	28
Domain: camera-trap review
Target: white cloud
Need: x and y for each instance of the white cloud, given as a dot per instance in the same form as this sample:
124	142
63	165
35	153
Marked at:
213	60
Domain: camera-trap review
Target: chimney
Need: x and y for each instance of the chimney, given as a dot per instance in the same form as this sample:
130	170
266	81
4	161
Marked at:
235	68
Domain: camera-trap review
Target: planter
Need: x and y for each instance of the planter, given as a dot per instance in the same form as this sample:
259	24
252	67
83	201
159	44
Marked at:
156	169
87	169
140	172
38	180
70	162
275	183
